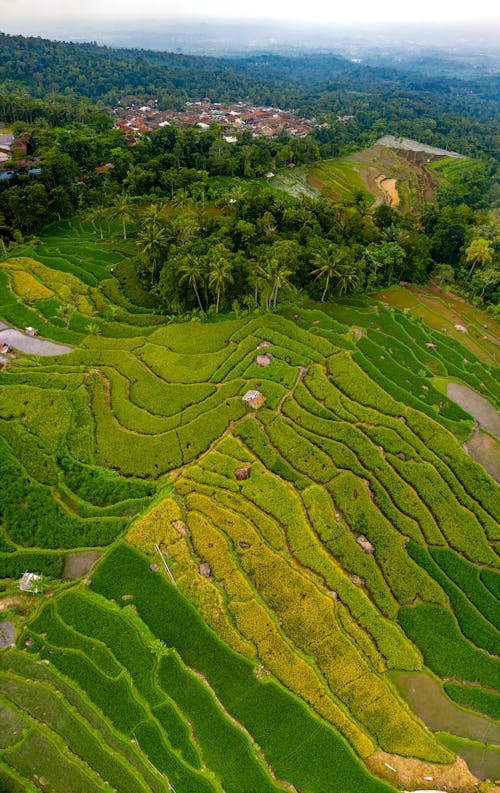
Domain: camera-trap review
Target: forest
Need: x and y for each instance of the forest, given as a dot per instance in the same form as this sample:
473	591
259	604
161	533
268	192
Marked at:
209	230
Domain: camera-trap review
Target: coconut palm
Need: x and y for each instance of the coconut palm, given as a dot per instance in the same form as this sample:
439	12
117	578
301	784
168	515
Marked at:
122	209
328	261
348	277
220	274
153	242
191	270
480	251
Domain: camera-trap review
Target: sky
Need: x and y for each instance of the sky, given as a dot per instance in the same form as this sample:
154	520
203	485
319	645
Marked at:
18	16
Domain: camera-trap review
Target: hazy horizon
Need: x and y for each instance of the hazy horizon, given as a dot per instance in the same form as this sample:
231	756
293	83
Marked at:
70	18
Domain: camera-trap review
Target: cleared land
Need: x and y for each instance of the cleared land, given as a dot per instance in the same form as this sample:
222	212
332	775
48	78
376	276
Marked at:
401	173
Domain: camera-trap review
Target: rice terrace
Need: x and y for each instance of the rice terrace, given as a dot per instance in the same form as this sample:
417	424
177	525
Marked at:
399	172
234	598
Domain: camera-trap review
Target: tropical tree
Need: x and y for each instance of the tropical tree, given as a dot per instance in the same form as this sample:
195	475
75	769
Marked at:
191	270
480	251
349	277
97	215
153	242
327	261
122	209
220	275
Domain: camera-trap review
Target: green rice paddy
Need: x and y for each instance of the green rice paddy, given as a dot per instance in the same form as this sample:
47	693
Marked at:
320	543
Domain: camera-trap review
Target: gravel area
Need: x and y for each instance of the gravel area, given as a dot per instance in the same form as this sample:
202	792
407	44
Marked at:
31	344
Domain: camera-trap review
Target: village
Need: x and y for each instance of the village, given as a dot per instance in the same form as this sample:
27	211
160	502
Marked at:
202	113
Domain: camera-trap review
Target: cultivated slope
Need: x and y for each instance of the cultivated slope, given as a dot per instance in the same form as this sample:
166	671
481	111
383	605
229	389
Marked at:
321	543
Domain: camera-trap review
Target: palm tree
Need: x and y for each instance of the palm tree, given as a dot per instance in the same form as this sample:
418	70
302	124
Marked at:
348	277
328	261
220	274
121	209
153	241
97	215
190	270
480	251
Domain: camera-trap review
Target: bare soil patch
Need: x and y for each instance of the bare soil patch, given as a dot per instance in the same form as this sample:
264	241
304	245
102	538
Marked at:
7	633
479	407
78	563
485	450
32	346
453	778
426	699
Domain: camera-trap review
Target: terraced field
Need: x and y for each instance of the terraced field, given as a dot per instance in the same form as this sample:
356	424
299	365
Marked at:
402	177
265	572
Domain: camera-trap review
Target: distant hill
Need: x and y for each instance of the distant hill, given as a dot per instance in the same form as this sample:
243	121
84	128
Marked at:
443	111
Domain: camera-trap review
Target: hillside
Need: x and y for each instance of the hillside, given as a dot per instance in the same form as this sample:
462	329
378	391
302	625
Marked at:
402	176
274	578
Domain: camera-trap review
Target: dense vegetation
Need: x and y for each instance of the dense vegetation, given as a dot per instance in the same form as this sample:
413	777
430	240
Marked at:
265	570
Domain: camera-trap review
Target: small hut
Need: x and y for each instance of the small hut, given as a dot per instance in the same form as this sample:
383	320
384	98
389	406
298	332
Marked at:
30	582
254	398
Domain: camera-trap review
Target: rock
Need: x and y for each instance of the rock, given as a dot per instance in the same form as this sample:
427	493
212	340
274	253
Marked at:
430	345
153	567
244	545
204	570
461	328
401	456
263	360
263	345
243	473
180	527
356	579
